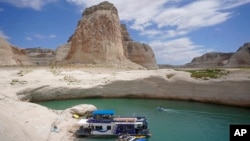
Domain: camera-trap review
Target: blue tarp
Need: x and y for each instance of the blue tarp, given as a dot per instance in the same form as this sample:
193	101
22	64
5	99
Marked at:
103	112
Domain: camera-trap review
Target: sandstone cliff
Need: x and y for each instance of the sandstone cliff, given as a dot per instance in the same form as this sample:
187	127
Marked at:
12	56
100	39
97	38
62	52
241	58
138	53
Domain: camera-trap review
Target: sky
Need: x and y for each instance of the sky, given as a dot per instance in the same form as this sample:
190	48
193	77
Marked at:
177	30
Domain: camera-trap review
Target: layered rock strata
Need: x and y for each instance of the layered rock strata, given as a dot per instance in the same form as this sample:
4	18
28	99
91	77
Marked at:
100	39
62	52
213	59
138	53
97	38
40	56
241	58
12	56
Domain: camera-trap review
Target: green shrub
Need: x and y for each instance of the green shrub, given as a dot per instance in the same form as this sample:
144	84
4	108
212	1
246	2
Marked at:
207	73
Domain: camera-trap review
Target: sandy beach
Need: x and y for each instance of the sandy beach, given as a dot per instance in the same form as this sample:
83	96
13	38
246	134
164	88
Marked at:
22	120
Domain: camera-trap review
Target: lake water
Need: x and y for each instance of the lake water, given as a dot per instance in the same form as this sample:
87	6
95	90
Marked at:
181	121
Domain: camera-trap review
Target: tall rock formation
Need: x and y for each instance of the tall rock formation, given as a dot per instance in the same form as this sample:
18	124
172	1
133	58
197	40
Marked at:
97	38
138	53
100	39
12	56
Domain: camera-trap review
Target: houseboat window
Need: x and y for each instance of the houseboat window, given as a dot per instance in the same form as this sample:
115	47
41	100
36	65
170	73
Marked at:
108	127
98	127
129	127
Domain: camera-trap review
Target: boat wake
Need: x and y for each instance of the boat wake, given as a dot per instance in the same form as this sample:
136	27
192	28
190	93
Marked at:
161	109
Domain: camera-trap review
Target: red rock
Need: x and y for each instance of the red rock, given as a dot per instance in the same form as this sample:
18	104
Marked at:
97	38
100	39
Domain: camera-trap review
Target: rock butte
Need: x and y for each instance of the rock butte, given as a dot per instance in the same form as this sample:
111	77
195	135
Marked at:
100	39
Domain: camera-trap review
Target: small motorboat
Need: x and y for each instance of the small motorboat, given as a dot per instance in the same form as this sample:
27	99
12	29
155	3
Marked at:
162	109
126	137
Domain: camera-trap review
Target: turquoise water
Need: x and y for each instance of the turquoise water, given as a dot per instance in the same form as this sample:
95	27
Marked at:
181	121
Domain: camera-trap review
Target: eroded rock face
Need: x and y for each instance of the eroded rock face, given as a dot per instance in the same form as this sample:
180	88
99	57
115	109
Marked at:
125	33
141	54
10	55
241	58
62	52
97	38
138	53
213	59
100	39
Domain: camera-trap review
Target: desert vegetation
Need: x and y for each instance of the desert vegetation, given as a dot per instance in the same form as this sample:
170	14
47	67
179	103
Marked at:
206	74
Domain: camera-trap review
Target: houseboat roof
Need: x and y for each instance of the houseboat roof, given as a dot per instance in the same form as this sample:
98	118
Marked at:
103	112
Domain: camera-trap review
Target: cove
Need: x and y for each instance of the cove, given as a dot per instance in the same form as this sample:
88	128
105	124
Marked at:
181	121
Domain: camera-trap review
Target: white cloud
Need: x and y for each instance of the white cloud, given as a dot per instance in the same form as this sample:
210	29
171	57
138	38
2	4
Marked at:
234	3
52	36
151	32
140	13
28	38
178	51
182	18
39	36
34	4
2	35
194	15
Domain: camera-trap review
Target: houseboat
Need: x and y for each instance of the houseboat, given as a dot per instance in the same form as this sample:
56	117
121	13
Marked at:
103	123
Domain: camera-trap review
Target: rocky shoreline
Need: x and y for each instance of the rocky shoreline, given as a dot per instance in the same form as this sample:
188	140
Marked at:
29	121
162	84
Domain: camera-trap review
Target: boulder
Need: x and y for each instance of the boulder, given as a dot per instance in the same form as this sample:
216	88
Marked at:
82	109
